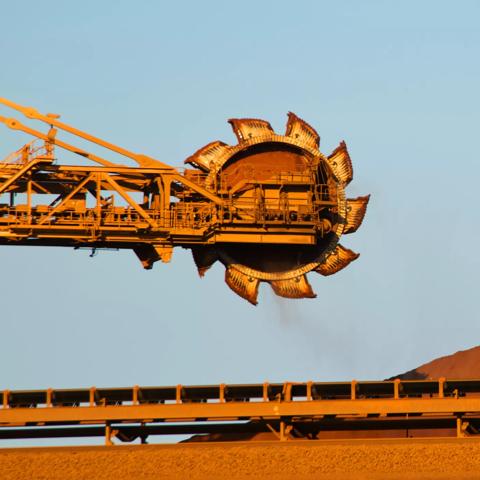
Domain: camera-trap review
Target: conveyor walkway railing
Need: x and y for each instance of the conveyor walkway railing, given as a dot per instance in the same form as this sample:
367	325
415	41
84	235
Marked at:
289	410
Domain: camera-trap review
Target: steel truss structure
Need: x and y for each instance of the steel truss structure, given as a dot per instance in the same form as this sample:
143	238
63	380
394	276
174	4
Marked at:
289	410
271	208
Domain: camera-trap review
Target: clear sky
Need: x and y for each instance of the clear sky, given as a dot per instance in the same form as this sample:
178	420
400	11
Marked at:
398	81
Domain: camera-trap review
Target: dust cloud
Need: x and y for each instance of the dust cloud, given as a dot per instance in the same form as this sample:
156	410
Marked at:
324	341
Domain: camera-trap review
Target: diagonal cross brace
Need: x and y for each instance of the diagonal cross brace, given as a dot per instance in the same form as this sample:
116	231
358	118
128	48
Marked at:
66	199
129	200
20	173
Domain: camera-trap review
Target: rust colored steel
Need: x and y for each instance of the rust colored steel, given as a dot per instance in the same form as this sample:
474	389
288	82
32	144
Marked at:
270	208
290	410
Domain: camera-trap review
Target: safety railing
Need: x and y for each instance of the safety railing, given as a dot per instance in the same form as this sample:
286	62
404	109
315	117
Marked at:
181	215
263	392
246	174
26	153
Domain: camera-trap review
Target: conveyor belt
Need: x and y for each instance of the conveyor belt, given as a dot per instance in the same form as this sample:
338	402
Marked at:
289	410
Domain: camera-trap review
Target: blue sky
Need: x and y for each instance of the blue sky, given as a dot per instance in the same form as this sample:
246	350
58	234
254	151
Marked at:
398	81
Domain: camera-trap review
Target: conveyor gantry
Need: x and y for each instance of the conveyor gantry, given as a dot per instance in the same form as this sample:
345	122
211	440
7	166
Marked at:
290	410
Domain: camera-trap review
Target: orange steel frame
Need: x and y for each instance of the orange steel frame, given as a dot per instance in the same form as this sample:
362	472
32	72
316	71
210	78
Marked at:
116	206
290	410
275	191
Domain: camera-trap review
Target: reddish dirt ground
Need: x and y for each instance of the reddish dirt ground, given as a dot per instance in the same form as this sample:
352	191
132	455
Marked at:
366	459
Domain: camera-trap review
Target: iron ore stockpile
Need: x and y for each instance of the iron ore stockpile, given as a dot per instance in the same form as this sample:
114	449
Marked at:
271	208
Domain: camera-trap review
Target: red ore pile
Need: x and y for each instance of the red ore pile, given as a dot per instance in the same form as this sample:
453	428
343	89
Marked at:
460	365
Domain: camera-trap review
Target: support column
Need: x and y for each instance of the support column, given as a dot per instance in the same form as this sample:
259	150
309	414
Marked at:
109	434
285	430
396	389
461	428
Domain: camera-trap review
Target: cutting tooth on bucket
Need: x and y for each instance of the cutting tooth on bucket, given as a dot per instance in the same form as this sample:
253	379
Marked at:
356	208
297	287
245	128
302	131
204	258
241	284
208	156
341	164
337	260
